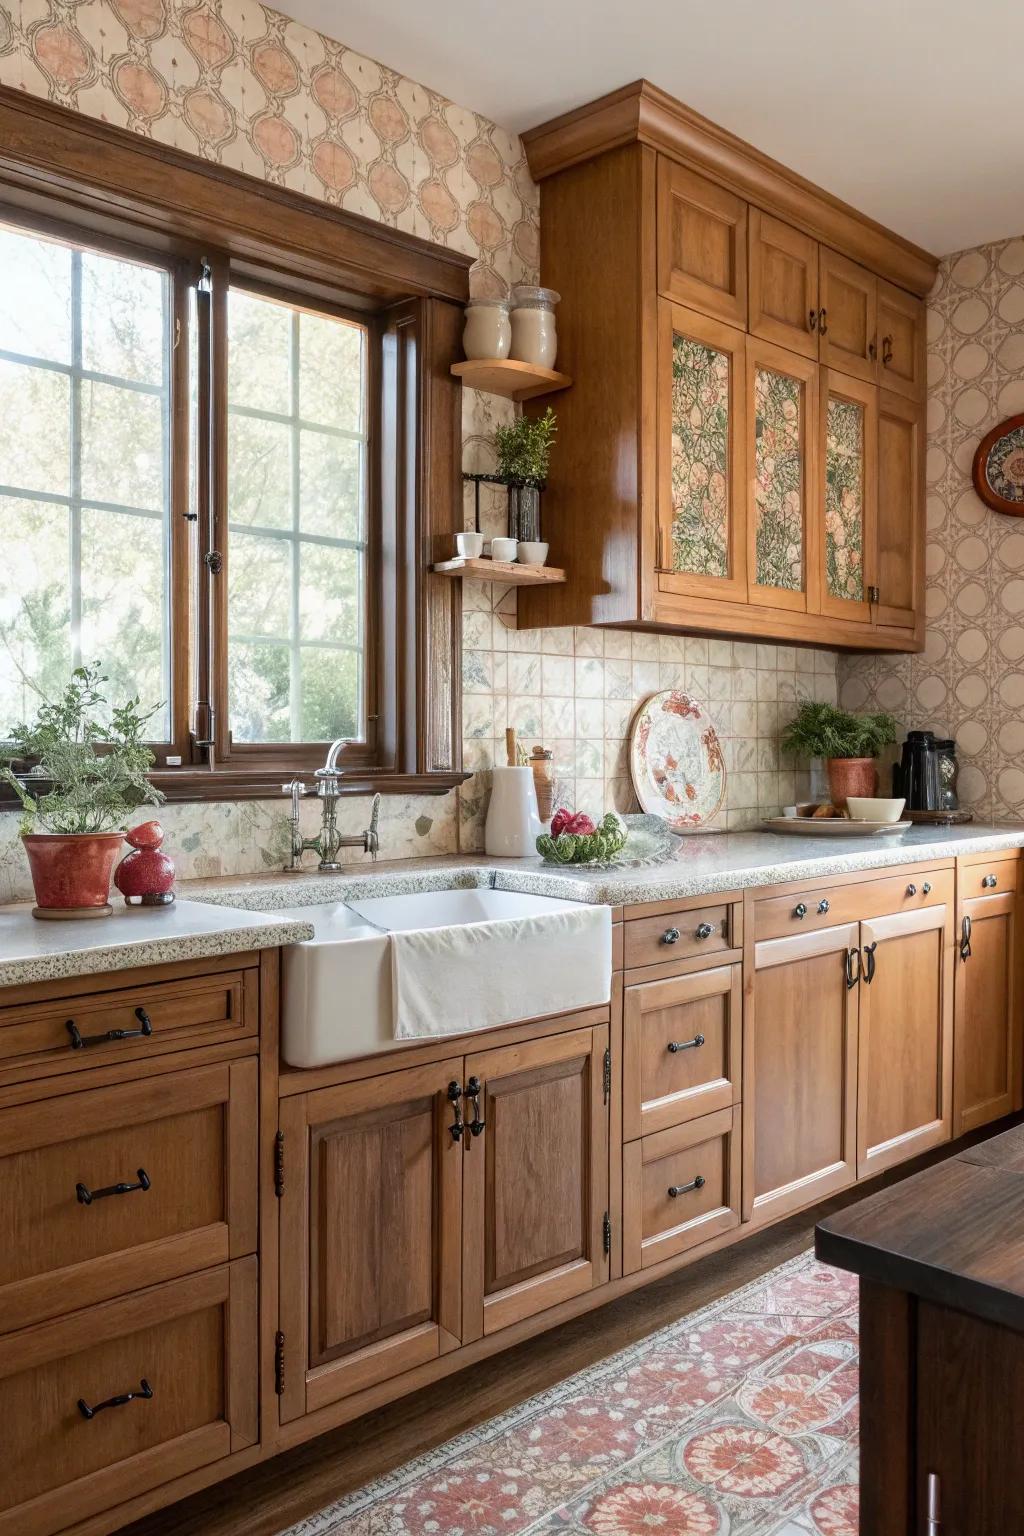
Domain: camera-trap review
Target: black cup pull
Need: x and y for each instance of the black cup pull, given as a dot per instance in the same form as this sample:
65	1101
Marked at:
473	1092
670	936
86	1196
685	1045
869	952
455	1100
675	1190
145	1391
80	1041
965	939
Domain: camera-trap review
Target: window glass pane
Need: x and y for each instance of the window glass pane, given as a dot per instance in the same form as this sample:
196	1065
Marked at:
122	445
35	432
35	297
35	606
296	465
123	324
778	479
123	599
700	458
844	499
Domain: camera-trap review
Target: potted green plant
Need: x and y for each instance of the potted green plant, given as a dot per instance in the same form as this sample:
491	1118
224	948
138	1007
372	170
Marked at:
81	768
848	745
523	450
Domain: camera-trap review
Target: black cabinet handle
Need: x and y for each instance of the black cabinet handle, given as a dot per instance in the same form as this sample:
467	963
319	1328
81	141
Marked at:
812	320
145	1391
685	1045
800	910
86	1196
455	1100
965	939
989	883
80	1041
822	322
926	888
911	890
823	906
670	936
852	970
886	350
675	1190
704	930
869	951
473	1091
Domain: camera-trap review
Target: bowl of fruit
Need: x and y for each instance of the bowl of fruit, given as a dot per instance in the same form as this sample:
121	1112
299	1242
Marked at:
575	839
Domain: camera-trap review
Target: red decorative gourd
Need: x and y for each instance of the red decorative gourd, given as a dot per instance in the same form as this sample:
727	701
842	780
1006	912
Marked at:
146	875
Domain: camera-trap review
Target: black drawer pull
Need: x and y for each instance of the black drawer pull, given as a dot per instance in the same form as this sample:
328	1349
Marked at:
705	930
145	1391
675	1190
670	936
800	910
823	905
86	1196
911	889
927	888
989	883
685	1045
80	1041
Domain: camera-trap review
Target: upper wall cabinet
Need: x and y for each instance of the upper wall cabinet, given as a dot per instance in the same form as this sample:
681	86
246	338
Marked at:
741	451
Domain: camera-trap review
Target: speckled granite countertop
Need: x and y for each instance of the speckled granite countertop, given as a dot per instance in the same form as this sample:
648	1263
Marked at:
31	950
701	866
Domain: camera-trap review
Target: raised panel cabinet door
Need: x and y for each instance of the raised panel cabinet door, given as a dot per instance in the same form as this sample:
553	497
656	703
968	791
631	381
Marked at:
905	1071
898	559
702	244
846	502
106	1403
681	1047
783	284
370	1232
681	1188
702	446
536	1179
782	408
848	317
987	1012
800	1071
901	341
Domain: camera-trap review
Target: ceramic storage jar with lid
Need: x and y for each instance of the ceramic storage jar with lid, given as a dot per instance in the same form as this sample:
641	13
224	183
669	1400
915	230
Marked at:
487	332
534	338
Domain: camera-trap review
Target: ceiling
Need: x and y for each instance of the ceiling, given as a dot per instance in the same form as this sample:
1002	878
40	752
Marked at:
911	110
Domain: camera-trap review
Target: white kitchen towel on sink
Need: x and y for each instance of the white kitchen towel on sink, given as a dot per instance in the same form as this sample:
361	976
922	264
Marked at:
447	981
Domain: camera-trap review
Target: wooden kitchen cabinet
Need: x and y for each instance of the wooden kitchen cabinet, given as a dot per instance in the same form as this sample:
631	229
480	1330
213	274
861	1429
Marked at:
905	1093
702	244
535	1187
371	1231
847	321
783	284
901	341
682	1045
681	1188
782	479
898	544
987	1044
847	496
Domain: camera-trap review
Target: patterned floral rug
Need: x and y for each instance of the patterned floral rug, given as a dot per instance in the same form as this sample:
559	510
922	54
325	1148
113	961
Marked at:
739	1420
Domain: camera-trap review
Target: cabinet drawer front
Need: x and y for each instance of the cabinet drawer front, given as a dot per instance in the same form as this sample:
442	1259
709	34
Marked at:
681	1049
41	1038
677	936
121	1187
193	1343
824	906
997	876
682	1187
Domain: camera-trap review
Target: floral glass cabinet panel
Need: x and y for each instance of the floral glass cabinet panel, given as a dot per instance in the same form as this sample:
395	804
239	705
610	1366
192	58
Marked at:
849	436
701	420
782	403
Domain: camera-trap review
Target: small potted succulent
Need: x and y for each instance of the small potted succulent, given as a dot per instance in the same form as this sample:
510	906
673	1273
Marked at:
523	450
78	770
848	744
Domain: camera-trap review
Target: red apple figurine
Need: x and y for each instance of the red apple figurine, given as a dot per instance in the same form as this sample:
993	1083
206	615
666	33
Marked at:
145	877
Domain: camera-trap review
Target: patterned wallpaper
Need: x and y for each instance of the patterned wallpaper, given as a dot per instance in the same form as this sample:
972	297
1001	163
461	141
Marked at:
969	680
237	83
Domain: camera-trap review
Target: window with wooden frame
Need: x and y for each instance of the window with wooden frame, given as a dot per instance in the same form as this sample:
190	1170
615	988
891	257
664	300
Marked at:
229	452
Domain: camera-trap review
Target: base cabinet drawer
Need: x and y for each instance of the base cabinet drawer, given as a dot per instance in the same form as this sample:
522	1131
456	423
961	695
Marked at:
825	906
117	1188
681	1187
677	936
76	1443
682	1041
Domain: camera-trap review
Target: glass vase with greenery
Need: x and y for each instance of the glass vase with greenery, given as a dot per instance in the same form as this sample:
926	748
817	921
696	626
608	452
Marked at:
848	745
523	451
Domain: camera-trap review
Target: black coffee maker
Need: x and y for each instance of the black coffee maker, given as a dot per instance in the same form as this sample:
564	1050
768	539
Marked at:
916	775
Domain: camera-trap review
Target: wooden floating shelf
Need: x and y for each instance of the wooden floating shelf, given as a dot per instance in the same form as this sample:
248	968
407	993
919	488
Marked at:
516	381
508	572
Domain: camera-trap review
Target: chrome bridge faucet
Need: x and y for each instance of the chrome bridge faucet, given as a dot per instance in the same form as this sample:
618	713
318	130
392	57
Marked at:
329	840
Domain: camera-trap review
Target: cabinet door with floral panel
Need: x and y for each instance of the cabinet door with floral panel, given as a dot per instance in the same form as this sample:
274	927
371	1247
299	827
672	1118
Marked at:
848	437
701	448
781	455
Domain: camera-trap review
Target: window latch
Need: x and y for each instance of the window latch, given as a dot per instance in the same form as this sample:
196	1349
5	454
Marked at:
214	562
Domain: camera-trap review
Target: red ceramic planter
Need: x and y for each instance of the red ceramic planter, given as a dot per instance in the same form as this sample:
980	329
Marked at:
71	872
851	776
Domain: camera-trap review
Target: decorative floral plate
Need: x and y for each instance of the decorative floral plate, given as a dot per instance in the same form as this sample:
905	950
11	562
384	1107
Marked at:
998	469
676	760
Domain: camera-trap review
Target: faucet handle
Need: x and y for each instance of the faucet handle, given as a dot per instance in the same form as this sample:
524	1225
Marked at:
295	788
372	838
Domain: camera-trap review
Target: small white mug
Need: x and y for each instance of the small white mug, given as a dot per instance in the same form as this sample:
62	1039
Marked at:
503	549
470	545
532	552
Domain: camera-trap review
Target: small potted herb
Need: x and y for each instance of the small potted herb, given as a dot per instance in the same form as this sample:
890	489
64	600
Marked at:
523	450
81	769
848	745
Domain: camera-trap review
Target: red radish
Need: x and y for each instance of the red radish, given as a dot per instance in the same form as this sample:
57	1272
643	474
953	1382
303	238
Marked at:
560	821
581	825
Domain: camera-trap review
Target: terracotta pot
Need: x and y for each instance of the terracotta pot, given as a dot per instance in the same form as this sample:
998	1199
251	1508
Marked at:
851	776
71	872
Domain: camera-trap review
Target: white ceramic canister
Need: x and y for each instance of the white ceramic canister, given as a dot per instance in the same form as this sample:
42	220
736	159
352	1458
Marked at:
534	335
513	825
487	332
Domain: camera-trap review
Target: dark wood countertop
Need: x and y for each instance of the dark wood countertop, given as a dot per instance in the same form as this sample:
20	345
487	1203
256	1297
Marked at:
953	1235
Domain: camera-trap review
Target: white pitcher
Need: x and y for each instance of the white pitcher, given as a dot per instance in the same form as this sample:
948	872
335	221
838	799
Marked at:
512	825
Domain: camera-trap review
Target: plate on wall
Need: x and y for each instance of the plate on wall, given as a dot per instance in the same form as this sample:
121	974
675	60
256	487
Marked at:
676	760
832	826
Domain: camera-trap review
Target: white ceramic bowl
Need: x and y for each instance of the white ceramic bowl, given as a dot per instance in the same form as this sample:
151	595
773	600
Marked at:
865	808
532	552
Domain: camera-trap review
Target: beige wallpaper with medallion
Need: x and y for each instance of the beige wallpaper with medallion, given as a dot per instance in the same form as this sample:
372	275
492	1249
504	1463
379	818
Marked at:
969	681
237	83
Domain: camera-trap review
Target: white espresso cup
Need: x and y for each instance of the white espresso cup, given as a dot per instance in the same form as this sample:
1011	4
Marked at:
470	545
503	549
532	551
